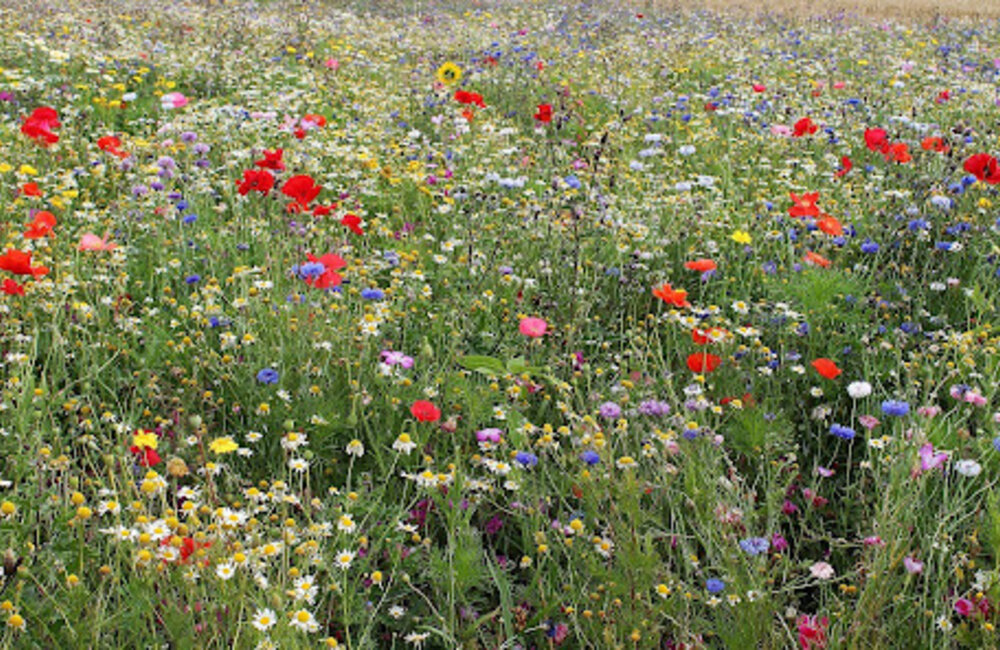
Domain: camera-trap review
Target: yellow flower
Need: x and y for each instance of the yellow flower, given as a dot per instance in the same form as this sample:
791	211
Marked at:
16	621
224	445
146	439
741	237
449	73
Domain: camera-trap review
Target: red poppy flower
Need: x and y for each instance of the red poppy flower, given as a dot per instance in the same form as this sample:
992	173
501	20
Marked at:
146	456
702	362
468	114
544	113
425	411
255	180
984	167
302	189
272	160
759	88
804	126
353	223
329	277
40	226
11	288
826	368
830	226
711	335
877	140
702	265
934	143
315	119
323	210
112	145
466	97
31	189
675	297
898	152
943	96
19	263
816	259
805	205
39	125
845	166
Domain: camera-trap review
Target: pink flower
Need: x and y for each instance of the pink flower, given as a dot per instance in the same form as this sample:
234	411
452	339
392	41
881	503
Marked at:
812	632
913	565
174	100
91	242
533	327
332	64
930	460
781	129
873	541
868	421
822	570
964	606
929	411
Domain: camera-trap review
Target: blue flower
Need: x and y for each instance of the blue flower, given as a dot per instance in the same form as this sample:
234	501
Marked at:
868	246
996	443
311	270
894	407
372	294
268	376
714	585
193	279
526	459
755	545
847	433
592	457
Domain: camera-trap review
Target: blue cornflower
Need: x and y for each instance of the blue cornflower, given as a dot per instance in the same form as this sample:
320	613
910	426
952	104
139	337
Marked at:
755	545
868	246
526	459
311	270
996	443
372	294
189	218
714	585
895	407
268	376
592	457
847	433
193	279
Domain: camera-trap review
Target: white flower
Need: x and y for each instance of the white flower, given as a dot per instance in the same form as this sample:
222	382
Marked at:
397	612
355	448
226	570
346	524
859	389
298	464
968	467
306	589
686	150
822	570
304	620
264	619
344	559
417	639
404	444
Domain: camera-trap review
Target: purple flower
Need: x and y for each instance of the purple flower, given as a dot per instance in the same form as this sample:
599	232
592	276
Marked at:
489	435
526	459
268	376
755	545
654	408
714	585
846	433
610	411
590	457
895	408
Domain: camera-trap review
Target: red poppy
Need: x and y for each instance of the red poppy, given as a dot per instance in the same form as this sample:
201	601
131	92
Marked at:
830	226
759	88
19	263
877	140
943	96
984	167
702	265
702	362
898	152
329	278
544	113
187	548
112	145
805	205
40	226
323	210
468	114
302	189
31	189
353	223
805	126
711	335
845	166
816	259
425	411
934	143
255	180
11	288
39	125
466	97
146	456
675	297
272	160
826	368
313	118
711	107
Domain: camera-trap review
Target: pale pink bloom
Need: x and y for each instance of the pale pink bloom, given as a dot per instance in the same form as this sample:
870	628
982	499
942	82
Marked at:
929	411
913	565
533	327
174	100
868	421
332	64
838	85
930	460
781	129
822	570
91	242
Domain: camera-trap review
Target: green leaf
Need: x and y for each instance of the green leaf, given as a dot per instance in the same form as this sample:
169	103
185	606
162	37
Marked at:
482	364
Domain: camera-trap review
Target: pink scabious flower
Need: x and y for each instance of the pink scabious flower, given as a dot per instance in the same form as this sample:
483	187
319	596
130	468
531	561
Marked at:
533	327
822	570
913	565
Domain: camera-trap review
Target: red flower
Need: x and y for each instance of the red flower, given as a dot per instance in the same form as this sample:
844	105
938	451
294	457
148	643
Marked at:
272	160
312	118
701	265
804	126
112	145
39	125
702	362
984	167
323	210
255	180
812	632
31	189
826	368
805	205
40	226
466	97
845	166
935	143
353	223
830	226
759	88
11	288
943	96
19	263
877	140
898	152
302	189
816	259
146	456
544	113
675	297
329	277
425	411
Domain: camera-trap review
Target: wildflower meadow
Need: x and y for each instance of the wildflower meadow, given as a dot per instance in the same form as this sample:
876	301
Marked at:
497	325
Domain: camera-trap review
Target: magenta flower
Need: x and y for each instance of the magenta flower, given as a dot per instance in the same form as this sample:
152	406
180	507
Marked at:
533	327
